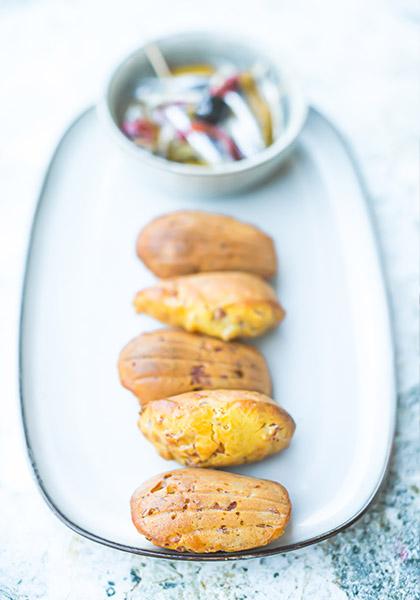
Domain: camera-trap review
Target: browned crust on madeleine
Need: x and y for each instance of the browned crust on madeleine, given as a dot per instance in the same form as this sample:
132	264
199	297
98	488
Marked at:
167	362
198	510
192	241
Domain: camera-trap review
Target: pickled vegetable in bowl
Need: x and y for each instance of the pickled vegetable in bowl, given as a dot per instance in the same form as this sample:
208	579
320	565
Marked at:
203	115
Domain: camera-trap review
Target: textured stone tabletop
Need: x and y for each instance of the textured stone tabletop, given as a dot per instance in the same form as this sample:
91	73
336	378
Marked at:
356	60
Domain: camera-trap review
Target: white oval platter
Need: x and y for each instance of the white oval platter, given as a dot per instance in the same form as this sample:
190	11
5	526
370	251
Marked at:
331	360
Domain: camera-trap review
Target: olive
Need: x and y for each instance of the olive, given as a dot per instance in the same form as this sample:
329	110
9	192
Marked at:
212	109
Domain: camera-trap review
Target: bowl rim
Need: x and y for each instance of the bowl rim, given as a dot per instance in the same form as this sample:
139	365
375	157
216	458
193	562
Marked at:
299	111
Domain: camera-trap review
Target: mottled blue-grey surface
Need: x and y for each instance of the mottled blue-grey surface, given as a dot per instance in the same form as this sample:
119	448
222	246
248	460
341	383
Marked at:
379	556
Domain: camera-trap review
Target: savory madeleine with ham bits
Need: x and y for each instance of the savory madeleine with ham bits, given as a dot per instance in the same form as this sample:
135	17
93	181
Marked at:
225	305
216	428
193	241
167	362
203	510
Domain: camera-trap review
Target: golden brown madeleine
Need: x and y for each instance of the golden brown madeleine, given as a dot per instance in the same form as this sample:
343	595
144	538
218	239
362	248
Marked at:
166	362
202	510
224	305
190	241
216	428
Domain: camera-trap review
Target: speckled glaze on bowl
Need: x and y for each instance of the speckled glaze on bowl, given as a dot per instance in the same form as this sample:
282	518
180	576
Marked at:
201	47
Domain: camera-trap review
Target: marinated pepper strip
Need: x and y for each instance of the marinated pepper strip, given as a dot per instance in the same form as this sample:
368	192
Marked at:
193	70
218	134
258	105
140	128
230	84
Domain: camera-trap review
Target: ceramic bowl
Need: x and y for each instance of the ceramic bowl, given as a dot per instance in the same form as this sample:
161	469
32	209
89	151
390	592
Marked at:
202	47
